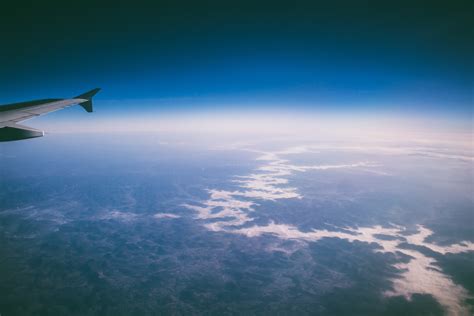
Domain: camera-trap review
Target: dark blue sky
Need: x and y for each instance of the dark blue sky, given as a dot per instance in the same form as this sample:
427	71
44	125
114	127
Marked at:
402	56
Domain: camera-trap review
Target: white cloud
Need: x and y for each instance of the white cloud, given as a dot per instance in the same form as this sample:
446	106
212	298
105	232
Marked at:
267	183
117	215
228	211
463	152
419	275
165	215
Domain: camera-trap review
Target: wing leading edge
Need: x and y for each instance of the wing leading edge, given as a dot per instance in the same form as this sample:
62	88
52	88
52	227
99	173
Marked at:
12	114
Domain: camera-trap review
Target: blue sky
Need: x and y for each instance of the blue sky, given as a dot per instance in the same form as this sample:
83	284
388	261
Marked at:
408	58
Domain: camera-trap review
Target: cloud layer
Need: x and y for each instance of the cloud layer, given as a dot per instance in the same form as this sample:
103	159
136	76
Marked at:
228	211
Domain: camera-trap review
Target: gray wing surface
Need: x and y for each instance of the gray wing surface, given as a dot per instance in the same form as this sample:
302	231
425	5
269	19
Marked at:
12	114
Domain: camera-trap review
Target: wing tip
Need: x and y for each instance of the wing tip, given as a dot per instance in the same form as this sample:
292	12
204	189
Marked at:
87	105
89	94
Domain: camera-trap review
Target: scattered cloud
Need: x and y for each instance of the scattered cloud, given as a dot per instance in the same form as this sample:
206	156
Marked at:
117	215
228	211
420	274
165	215
462	153
268	182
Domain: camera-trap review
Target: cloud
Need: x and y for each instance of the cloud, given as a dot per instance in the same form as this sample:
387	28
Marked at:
269	182
117	215
420	274
461	153
228	211
165	215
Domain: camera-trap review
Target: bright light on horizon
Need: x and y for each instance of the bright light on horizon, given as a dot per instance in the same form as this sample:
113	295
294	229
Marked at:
309	125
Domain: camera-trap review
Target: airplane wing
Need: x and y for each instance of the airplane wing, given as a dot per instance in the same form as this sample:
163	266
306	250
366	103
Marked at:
12	114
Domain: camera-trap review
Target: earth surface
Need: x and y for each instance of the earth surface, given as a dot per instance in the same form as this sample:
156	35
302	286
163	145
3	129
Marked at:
158	225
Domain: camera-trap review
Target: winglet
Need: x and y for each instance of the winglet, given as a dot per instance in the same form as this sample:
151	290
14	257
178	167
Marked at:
88	96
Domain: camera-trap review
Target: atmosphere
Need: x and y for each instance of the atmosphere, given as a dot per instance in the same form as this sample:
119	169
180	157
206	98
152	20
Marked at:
410	57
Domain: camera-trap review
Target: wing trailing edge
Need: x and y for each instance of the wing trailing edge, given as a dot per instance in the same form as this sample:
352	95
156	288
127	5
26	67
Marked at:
18	132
